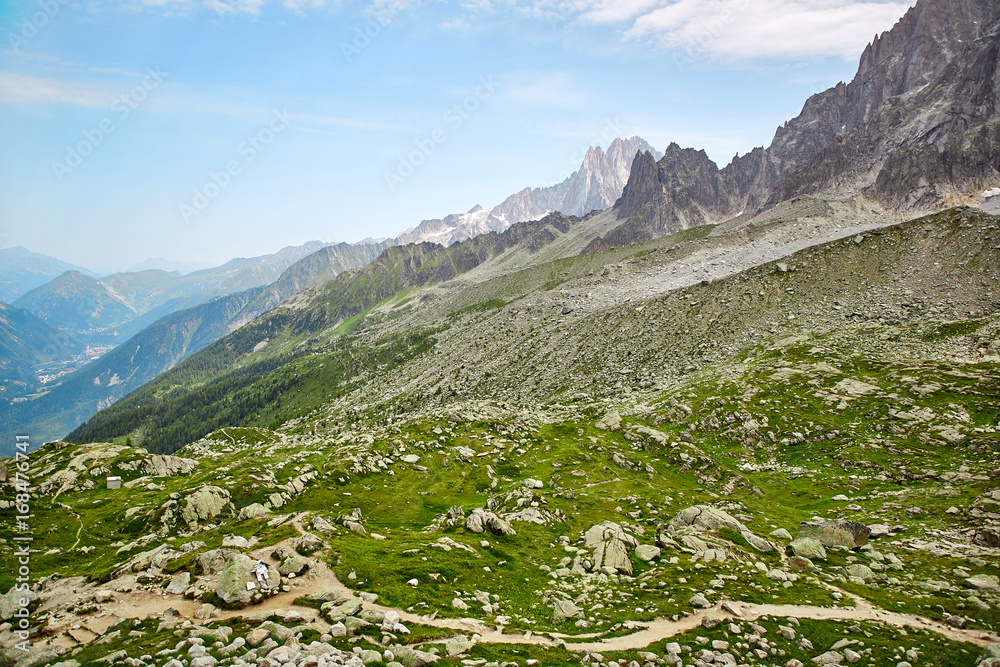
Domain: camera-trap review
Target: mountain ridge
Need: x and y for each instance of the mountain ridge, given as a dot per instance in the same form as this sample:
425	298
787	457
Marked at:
916	129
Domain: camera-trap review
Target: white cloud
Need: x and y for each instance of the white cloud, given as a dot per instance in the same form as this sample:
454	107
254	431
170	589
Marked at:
227	7
24	89
738	29
616	11
741	29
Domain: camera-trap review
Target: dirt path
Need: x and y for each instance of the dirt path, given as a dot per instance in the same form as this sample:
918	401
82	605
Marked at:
321	578
661	629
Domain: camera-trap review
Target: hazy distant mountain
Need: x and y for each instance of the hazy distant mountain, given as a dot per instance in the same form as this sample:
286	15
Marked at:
595	185
161	345
167	265
111	309
22	271
27	347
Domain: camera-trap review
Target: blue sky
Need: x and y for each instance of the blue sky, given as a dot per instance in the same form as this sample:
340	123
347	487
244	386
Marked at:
200	130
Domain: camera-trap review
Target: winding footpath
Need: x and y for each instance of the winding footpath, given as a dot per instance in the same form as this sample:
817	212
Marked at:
321	578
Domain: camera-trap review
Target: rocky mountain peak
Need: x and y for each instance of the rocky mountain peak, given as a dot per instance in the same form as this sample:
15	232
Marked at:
597	184
917	129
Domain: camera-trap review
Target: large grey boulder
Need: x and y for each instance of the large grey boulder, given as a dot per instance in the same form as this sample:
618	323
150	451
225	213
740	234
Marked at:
458	645
293	565
231	586
611	544
213	561
708	518
10	603
410	657
179	583
859	571
158	465
850	534
204	504
253	511
647	552
480	520
984	582
808	547
563	610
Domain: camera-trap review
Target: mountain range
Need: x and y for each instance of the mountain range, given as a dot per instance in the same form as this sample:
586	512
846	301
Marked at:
912	132
740	416
158	318
597	184
917	76
22	271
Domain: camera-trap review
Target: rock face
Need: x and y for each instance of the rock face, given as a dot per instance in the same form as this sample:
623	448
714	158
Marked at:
684	189
918	126
850	534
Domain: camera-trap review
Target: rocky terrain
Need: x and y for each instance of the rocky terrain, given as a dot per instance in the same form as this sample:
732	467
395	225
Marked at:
814	482
744	417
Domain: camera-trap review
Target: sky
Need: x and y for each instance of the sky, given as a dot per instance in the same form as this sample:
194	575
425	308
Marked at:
201	130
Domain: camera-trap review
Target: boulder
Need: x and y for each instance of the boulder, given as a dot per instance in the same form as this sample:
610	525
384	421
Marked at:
458	645
858	571
10	603
984	582
235	542
253	511
991	650
480	520
410	657
179	583
850	534
232	584
205	503
611	544
699	600
829	658
293	565
322	525
708	518
213	561
808	547
158	465
646	552
781	534
563	610
355	527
